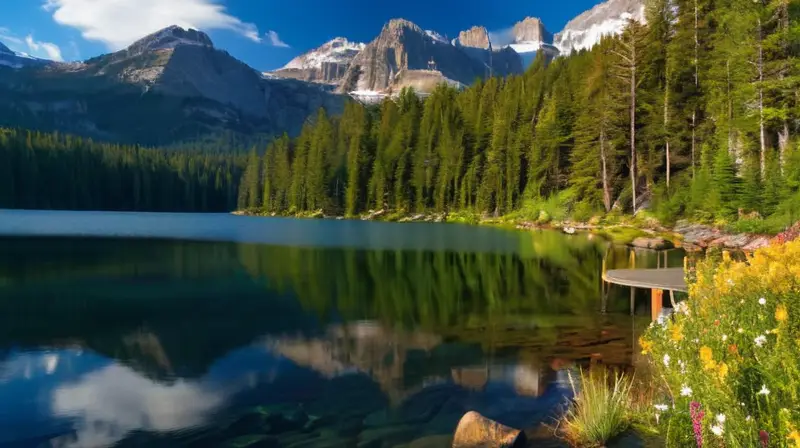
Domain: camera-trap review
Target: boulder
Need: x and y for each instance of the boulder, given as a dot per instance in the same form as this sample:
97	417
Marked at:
477	431
731	241
654	243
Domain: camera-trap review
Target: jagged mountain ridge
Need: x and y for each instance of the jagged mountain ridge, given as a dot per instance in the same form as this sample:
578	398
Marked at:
169	86
375	69
402	47
326	64
609	17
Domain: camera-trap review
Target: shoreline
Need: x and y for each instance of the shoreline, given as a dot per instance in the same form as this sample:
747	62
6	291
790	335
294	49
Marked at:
649	234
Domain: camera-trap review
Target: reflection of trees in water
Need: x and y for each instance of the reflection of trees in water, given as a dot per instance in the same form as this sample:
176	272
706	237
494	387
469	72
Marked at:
551	275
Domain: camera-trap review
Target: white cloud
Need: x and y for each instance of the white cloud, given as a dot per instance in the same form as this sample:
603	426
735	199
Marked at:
30	45
9	38
119	23
502	37
48	48
275	40
111	402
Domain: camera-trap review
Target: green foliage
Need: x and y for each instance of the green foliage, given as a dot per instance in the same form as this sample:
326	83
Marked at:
603	408
55	171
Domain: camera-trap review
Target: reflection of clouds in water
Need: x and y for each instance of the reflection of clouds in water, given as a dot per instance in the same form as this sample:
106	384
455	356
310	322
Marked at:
115	400
28	365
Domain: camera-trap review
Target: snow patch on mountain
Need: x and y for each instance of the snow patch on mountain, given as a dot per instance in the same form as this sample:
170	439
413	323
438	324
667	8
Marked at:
608	18
437	38
338	50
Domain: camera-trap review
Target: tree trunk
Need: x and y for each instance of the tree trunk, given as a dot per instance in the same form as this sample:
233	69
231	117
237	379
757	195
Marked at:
606	190
666	127
761	130
696	83
783	144
633	123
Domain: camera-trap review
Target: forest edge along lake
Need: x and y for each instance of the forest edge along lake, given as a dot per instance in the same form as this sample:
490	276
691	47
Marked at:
139	329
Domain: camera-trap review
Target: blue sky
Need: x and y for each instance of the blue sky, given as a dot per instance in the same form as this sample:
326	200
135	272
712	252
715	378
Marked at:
264	33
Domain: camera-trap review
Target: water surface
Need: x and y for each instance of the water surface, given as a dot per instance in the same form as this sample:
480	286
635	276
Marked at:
128	329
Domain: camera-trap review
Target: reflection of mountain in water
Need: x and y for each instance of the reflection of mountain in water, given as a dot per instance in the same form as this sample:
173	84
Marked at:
200	329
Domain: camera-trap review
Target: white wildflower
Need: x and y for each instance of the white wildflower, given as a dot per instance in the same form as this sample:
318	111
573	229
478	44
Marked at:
717	430
760	341
721	419
686	391
682	308
724	337
666	360
682	365
764	390
748	418
741	330
661	407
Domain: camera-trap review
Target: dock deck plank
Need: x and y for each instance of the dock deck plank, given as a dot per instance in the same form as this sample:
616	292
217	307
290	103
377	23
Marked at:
671	279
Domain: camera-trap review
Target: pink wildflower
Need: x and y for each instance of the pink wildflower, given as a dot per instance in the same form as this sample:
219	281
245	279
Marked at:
697	422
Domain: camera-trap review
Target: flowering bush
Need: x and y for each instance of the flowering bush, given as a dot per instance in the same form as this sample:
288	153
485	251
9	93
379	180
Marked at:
730	355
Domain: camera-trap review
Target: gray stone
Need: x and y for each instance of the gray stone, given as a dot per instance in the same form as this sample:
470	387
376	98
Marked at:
654	243
756	243
477	431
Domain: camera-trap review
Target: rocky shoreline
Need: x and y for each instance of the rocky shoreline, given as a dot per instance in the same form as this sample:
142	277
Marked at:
686	235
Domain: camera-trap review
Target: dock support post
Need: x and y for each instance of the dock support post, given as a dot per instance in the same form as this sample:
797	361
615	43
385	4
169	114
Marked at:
656	302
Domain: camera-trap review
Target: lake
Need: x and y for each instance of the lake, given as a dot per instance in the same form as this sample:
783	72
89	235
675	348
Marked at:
138	329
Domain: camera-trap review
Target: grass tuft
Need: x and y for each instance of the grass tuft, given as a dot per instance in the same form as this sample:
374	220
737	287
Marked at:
602	409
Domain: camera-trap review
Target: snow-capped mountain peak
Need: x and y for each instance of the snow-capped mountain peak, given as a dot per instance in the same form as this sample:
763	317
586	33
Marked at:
338	50
18	59
437	38
608	18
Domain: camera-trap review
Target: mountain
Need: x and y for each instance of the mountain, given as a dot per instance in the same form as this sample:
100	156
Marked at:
168	87
529	37
326	64
403	50
607	18
16	60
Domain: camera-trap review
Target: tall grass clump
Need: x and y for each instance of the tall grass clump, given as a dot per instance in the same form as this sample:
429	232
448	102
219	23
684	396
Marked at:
730	355
603	408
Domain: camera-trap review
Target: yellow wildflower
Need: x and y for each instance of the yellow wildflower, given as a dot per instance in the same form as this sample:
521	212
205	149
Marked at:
707	357
676	333
781	313
722	371
794	437
646	345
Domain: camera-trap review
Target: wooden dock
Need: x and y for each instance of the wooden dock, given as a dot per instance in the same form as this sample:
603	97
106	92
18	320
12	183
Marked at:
656	280
670	279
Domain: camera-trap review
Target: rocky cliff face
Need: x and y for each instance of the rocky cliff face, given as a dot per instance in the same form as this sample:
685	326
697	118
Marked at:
531	29
608	18
475	37
168	86
403	46
326	64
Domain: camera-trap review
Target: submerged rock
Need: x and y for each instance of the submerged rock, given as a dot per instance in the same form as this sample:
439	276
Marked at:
477	431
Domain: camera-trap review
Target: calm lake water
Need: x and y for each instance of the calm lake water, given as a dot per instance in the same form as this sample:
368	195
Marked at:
136	329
